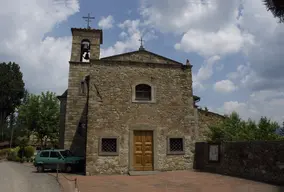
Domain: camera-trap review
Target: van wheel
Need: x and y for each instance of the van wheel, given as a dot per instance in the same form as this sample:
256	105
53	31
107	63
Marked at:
68	168
40	168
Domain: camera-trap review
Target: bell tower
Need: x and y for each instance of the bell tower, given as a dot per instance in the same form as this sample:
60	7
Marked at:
85	48
86	44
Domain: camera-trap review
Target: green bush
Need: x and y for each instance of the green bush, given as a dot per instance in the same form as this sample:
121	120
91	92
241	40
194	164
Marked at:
16	149
18	159
24	159
12	155
29	151
4	152
21	152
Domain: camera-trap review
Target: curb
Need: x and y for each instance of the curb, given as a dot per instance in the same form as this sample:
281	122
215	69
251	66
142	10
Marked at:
60	184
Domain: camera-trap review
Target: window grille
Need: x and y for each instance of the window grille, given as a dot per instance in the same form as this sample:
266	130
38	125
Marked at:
175	146
109	145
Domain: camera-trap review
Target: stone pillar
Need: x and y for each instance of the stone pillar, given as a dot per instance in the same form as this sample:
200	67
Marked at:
62	121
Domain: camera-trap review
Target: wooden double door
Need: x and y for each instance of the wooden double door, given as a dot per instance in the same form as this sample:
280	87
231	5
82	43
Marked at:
143	151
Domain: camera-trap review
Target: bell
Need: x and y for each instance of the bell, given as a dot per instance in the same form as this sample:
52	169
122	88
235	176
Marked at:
87	56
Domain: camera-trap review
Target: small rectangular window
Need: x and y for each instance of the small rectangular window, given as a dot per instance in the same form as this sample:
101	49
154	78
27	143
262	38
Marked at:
109	146
82	88
44	154
175	146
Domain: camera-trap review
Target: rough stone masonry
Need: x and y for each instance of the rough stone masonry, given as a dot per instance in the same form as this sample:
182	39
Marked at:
102	118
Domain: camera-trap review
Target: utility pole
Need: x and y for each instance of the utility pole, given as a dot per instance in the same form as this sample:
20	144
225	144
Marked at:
12	128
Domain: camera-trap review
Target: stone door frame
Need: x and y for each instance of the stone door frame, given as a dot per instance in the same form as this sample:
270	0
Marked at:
142	127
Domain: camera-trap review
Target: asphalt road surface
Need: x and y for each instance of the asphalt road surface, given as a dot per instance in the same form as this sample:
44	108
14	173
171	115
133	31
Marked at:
15	177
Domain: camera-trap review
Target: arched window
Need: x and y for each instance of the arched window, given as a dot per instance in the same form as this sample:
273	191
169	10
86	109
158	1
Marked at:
85	50
143	92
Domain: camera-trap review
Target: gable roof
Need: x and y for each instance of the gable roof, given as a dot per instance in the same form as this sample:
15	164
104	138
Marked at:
142	56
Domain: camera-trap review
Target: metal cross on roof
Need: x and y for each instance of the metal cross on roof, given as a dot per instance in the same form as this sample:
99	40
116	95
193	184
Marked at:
88	19
141	45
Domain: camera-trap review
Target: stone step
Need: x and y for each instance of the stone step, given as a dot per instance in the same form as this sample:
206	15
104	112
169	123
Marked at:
141	173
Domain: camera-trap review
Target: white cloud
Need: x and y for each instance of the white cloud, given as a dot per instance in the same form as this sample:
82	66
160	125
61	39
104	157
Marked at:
131	34
260	103
180	16
106	22
204	73
241	72
207	28
225	86
132	30
43	61
224	41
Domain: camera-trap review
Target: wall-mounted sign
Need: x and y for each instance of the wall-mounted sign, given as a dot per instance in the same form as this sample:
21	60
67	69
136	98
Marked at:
214	152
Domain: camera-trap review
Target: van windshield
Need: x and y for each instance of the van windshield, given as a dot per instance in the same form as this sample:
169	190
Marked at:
66	153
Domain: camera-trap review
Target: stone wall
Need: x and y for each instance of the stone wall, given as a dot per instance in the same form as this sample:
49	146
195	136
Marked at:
256	160
206	118
112	112
74	139
62	121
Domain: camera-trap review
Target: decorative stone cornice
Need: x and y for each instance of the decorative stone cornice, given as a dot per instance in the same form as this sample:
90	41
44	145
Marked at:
140	64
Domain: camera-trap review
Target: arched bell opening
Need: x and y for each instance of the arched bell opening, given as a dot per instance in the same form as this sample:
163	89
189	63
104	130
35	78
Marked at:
85	50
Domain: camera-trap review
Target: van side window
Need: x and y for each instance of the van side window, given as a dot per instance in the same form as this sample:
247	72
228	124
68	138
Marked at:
44	154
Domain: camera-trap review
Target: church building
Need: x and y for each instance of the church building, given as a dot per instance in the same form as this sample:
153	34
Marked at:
129	112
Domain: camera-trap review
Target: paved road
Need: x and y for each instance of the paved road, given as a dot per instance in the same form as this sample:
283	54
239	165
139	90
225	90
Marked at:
15	177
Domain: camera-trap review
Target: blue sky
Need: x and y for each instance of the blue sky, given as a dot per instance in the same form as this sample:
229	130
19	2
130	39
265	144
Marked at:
233	45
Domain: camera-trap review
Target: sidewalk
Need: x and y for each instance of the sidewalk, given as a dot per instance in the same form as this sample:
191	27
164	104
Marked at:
177	181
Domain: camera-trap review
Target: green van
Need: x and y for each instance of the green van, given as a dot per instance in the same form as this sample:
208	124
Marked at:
60	159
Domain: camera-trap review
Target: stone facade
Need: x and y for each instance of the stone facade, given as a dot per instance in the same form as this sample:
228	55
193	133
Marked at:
112	112
108	108
256	160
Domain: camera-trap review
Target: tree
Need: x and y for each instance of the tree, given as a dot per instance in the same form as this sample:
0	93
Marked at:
16	129
233	128
40	116
266	129
281	131
276	7
11	91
